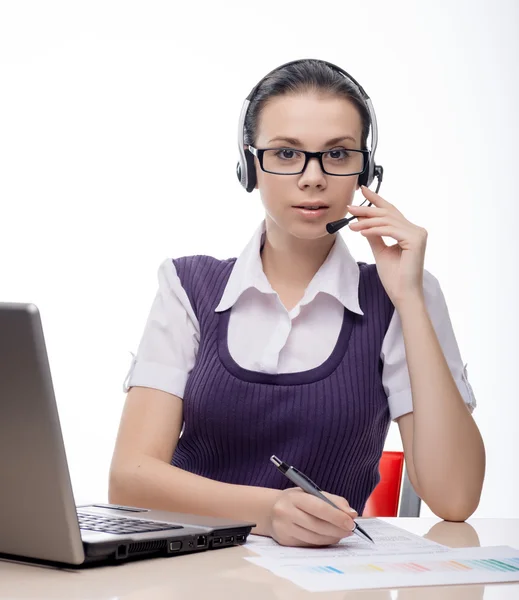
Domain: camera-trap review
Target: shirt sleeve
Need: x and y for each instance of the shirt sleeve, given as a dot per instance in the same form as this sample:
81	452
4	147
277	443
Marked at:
169	344
395	374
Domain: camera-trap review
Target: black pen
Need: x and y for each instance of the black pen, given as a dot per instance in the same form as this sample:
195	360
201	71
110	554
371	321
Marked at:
308	486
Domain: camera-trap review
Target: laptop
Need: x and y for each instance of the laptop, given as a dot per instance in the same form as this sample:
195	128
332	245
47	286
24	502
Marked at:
39	521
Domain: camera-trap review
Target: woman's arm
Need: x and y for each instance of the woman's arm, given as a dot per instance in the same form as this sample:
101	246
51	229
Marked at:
443	447
141	475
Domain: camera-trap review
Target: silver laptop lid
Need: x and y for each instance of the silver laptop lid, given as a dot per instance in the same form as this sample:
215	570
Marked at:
37	511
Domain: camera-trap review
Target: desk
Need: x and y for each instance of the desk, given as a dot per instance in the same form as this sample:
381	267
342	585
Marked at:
223	574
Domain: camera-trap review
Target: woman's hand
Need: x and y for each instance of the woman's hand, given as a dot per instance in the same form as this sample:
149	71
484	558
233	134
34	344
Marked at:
400	266
300	519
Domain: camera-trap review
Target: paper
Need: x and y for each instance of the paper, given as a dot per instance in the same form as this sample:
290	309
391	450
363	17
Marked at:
388	539
458	566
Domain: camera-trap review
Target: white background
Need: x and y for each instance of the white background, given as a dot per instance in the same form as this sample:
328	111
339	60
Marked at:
107	114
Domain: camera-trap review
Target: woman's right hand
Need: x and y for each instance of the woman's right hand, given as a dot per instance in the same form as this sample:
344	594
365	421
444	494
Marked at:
300	519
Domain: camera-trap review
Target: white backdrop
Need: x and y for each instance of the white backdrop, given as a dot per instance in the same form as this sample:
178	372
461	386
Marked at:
106	113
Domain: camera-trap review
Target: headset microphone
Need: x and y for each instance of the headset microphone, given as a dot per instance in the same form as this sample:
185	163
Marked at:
334	226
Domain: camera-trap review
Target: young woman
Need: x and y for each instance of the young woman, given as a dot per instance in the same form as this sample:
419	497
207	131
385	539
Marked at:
294	348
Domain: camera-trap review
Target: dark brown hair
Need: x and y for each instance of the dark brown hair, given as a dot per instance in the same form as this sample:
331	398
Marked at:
308	75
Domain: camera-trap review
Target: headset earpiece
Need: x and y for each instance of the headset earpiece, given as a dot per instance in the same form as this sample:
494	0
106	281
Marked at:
363	177
249	173
251	170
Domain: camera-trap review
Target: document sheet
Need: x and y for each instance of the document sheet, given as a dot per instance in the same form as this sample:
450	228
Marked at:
397	559
457	566
388	539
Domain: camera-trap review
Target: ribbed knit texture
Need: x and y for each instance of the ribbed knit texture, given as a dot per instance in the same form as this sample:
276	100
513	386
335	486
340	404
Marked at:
330	422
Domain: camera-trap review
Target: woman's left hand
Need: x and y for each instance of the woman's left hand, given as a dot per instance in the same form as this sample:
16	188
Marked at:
400	266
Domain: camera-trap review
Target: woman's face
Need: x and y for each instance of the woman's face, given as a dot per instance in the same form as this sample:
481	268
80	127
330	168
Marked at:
307	121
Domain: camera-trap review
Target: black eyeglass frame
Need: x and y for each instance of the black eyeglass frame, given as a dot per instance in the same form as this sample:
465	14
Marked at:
259	152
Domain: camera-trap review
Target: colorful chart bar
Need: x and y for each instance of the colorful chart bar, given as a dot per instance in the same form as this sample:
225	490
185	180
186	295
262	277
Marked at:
503	565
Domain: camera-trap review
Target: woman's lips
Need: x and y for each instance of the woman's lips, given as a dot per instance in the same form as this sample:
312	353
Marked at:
311	213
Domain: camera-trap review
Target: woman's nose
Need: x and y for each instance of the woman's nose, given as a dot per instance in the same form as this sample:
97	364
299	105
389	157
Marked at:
312	172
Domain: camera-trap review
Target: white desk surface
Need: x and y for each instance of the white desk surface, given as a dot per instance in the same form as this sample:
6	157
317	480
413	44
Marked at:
223	574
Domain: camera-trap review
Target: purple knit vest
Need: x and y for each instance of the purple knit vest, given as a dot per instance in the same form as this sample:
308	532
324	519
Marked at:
330	422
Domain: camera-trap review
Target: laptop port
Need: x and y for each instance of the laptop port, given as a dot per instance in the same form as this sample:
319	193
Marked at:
217	541
229	539
201	541
240	539
121	552
175	546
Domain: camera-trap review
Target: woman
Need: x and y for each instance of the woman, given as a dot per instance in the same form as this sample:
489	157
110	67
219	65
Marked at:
294	348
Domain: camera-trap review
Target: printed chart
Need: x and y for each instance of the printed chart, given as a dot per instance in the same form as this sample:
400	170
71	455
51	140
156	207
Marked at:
456	566
504	565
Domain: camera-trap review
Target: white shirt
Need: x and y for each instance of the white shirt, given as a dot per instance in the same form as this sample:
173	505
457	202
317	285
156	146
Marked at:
264	336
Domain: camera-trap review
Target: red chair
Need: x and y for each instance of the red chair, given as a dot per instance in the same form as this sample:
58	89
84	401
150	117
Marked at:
386	499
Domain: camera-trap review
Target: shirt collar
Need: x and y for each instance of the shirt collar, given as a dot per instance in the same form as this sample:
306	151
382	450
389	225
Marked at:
337	276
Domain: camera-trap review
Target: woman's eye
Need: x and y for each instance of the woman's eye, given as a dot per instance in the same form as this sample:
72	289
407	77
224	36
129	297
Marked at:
287	153
338	154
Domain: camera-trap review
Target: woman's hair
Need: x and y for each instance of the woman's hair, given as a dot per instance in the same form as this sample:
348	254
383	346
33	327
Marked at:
309	75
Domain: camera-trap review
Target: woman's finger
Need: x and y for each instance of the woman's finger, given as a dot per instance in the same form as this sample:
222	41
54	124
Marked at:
316	525
324	511
393	232
342	503
311	537
366	211
374	222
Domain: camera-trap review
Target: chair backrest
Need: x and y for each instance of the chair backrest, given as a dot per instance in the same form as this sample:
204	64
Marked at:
393	490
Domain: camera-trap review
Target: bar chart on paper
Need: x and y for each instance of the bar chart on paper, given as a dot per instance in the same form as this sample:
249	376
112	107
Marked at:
504	565
456	566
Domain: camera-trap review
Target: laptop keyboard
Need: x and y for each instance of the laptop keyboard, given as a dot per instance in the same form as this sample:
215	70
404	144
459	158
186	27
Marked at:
120	525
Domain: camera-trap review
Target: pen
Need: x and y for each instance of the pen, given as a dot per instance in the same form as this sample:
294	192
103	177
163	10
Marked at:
308	486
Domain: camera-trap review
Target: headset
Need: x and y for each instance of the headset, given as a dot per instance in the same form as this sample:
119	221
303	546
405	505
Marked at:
245	168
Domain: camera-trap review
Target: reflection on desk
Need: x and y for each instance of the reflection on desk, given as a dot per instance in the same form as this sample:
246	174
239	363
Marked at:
224	574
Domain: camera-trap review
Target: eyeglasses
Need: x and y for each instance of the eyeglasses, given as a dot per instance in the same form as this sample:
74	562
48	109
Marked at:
291	161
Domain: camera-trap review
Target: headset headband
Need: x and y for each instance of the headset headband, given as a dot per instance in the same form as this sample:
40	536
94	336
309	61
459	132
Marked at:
245	167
